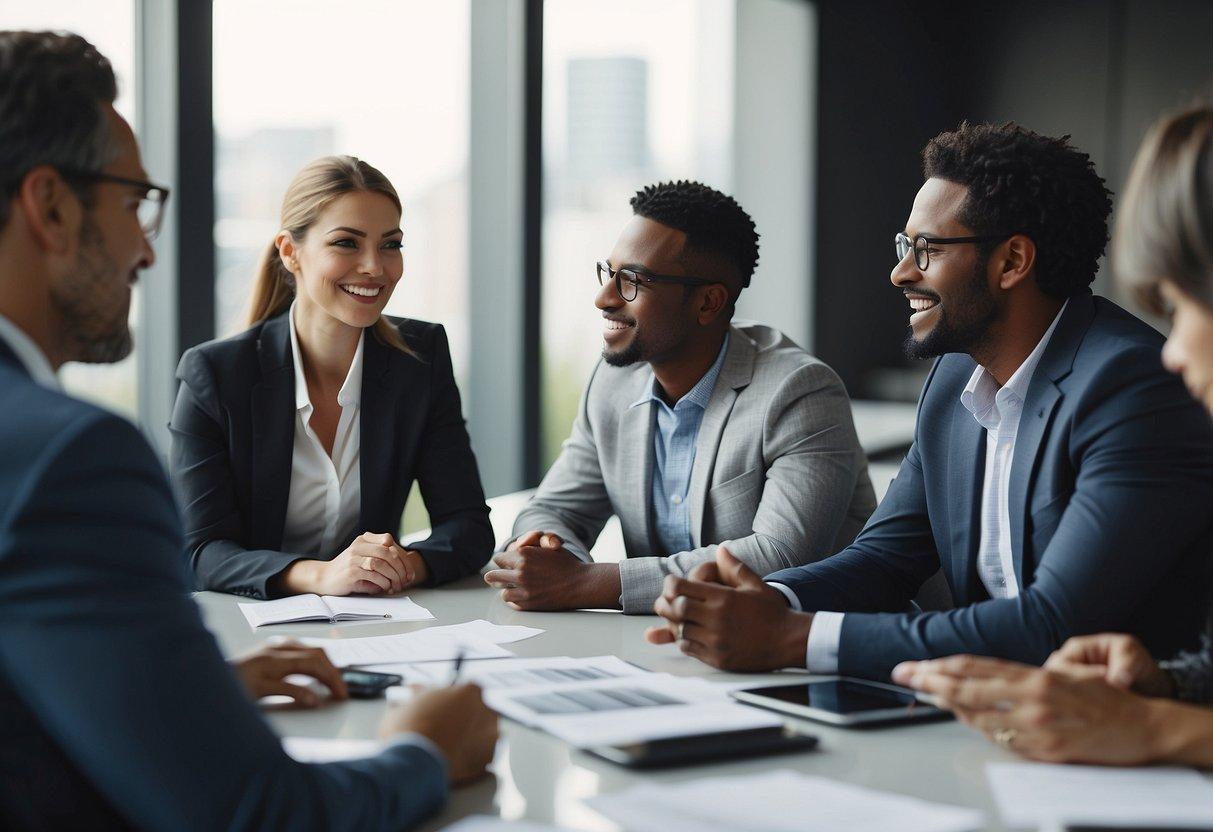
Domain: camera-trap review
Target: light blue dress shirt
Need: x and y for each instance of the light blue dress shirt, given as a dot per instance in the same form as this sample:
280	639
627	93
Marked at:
674	457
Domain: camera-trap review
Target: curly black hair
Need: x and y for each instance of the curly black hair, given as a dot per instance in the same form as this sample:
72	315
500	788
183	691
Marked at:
713	222
52	89
1021	182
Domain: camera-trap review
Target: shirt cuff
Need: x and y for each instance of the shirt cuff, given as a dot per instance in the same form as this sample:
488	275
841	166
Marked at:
793	601
641	581
825	634
425	744
578	551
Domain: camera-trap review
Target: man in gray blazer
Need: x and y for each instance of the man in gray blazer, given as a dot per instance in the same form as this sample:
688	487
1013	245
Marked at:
692	429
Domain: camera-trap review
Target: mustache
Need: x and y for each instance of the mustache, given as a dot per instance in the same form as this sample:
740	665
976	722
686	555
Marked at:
919	293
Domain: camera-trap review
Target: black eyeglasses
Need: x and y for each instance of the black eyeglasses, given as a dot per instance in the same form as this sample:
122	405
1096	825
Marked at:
920	245
151	203
629	281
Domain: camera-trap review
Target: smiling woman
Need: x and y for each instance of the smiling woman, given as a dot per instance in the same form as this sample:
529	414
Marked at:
296	466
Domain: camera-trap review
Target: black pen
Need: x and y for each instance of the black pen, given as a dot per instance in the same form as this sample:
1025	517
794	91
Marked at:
458	664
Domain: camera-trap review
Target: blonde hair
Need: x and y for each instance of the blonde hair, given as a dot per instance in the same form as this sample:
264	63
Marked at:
310	192
1164	229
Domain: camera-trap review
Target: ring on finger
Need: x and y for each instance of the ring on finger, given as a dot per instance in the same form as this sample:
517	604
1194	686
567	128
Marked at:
368	562
681	626
1005	737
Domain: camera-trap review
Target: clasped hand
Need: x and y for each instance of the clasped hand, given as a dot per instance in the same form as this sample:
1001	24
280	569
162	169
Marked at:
374	564
536	572
724	615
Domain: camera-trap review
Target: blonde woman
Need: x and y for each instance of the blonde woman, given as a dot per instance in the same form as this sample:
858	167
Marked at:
296	442
1103	698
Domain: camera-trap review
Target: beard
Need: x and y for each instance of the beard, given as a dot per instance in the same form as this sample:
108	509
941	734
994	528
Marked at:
93	304
964	322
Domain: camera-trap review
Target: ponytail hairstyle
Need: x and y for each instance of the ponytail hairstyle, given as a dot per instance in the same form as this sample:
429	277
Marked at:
1164	230
310	192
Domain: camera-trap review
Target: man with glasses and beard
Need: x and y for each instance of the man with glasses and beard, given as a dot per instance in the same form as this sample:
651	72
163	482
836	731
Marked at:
117	710
1058	472
693	429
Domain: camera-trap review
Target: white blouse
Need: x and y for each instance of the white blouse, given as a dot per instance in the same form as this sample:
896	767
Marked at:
326	493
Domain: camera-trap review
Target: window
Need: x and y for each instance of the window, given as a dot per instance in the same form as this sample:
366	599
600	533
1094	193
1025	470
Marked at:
383	80
110	26
634	92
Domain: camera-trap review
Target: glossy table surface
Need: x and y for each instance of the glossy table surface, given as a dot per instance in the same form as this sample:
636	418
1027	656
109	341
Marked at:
539	778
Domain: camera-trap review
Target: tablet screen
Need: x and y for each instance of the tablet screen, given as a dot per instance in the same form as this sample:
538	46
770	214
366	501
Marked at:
842	696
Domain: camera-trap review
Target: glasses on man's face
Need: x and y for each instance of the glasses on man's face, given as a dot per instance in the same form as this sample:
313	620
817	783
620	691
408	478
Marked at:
922	245
151	201
628	281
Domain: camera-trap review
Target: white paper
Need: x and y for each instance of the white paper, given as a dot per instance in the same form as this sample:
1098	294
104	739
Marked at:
325	750
432	644
493	674
630	709
484	823
330	608
495	633
777	801
1032	794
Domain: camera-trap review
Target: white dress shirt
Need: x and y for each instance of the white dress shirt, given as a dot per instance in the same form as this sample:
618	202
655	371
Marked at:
29	354
326	492
997	409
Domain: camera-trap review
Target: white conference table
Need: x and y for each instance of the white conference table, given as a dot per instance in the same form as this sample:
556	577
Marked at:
539	778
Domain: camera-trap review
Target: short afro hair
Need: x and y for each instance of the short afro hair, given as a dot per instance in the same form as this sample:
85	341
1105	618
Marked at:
714	223
1021	182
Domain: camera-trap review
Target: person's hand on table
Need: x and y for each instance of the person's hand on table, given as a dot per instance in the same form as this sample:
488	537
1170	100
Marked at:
374	564
1050	715
264	670
456	720
724	615
537	572
1120	659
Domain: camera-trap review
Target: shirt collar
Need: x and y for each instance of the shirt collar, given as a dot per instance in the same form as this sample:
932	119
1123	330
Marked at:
29	354
350	393
698	395
982	394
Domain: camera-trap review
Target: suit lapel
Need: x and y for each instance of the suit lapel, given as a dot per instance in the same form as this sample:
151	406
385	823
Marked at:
1041	402
966	461
735	375
636	426
273	402
383	369
9	357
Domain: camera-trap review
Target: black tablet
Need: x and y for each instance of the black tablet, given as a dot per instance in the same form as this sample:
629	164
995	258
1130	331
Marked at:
843	701
699	748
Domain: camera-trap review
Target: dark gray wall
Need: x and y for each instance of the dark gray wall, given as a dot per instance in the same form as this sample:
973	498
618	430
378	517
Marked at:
894	73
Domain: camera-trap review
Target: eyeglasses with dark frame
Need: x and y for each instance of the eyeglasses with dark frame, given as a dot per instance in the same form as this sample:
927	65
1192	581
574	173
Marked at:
922	242
151	203
633	279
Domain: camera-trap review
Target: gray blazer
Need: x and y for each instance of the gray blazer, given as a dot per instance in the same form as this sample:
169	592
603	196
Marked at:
779	473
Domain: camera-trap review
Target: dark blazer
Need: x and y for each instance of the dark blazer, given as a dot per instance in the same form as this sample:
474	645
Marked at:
1109	492
233	430
116	708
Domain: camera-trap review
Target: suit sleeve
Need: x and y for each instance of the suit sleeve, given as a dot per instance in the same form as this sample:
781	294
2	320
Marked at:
572	499
104	645
813	463
1144	461
461	538
214	524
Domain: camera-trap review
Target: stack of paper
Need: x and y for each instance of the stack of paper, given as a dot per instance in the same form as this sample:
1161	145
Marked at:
623	709
493	674
332	608
472	640
777	801
1036	794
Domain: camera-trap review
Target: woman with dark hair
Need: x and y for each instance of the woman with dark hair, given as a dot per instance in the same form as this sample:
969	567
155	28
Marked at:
295	443
1103	698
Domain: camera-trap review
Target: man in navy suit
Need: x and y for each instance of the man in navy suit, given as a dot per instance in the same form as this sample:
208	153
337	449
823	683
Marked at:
1059	476
116	708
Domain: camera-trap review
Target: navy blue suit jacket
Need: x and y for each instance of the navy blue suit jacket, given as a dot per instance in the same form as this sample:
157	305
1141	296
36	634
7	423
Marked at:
116	708
233	430
1110	488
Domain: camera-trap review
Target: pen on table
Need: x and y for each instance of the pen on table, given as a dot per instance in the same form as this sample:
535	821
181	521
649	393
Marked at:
458	665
